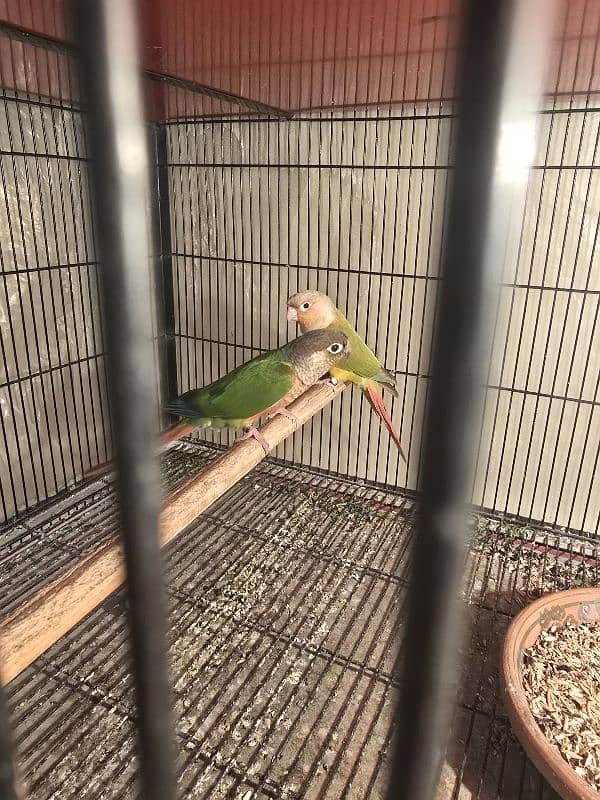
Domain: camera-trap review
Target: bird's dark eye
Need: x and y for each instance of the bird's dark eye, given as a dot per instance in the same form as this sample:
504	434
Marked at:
336	347
304	306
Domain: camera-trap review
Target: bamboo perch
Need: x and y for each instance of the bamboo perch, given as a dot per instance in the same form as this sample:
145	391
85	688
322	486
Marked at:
56	608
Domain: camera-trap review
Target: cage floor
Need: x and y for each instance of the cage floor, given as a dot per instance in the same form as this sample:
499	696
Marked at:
284	646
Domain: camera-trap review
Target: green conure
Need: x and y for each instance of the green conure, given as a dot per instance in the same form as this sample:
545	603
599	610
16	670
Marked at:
315	311
263	386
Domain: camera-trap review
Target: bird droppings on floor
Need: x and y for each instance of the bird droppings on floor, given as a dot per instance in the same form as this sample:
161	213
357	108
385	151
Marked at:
286	618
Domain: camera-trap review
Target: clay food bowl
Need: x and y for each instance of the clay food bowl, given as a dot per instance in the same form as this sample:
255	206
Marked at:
577	605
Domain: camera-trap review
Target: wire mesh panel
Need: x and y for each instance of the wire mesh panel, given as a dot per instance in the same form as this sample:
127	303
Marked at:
348	200
540	433
351	201
54	415
322	162
55	419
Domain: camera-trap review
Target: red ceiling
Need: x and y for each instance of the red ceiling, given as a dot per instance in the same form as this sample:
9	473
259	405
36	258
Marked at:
295	55
300	56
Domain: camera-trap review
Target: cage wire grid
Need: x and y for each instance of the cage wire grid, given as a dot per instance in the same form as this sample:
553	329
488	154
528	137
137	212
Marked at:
283	595
54	382
543	303
352	201
284	655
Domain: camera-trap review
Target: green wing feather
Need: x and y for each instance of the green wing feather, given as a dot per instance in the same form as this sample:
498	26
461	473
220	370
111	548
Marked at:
243	393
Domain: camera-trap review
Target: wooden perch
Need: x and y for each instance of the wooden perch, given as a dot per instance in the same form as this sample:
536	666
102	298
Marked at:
55	608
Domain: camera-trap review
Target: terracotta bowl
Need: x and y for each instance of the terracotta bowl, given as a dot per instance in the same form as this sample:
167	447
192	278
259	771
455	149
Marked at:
580	605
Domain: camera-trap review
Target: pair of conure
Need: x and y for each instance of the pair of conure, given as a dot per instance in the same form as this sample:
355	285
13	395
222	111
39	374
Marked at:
270	382
315	311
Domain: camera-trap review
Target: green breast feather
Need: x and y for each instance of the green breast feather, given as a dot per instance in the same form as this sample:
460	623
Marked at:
244	392
362	360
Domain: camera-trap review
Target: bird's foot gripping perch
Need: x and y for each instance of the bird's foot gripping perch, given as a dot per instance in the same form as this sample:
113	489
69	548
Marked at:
253	433
288	414
330	381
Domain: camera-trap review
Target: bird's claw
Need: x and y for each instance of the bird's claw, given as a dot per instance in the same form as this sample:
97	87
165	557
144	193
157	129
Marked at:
329	381
254	433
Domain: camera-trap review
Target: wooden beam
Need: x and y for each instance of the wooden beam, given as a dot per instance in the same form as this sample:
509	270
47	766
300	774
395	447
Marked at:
56	608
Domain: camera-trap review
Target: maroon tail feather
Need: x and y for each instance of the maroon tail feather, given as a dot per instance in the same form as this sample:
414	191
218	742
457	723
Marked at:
378	406
176	432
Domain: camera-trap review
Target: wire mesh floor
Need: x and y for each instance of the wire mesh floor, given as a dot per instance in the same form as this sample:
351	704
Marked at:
284	657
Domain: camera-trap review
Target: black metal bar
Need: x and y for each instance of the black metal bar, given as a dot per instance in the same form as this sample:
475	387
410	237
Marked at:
164	278
346	269
8	778
218	94
325	118
106	32
44	156
295	165
501	70
370	167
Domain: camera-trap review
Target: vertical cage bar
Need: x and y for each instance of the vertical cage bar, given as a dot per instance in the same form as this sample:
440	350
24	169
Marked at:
504	49
8	779
164	247
106	34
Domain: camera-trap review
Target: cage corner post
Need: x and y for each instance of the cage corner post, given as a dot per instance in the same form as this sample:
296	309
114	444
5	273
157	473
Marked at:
106	34
165	297
505	45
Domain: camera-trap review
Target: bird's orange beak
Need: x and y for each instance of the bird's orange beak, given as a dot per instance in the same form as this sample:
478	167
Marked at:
292	314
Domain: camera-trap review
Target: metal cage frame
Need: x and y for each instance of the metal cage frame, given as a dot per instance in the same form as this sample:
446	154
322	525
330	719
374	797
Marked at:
496	92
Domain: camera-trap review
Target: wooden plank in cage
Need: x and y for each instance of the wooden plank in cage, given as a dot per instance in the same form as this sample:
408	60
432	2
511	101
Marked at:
57	607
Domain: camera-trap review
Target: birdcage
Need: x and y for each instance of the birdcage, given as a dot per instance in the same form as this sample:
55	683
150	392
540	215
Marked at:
291	147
